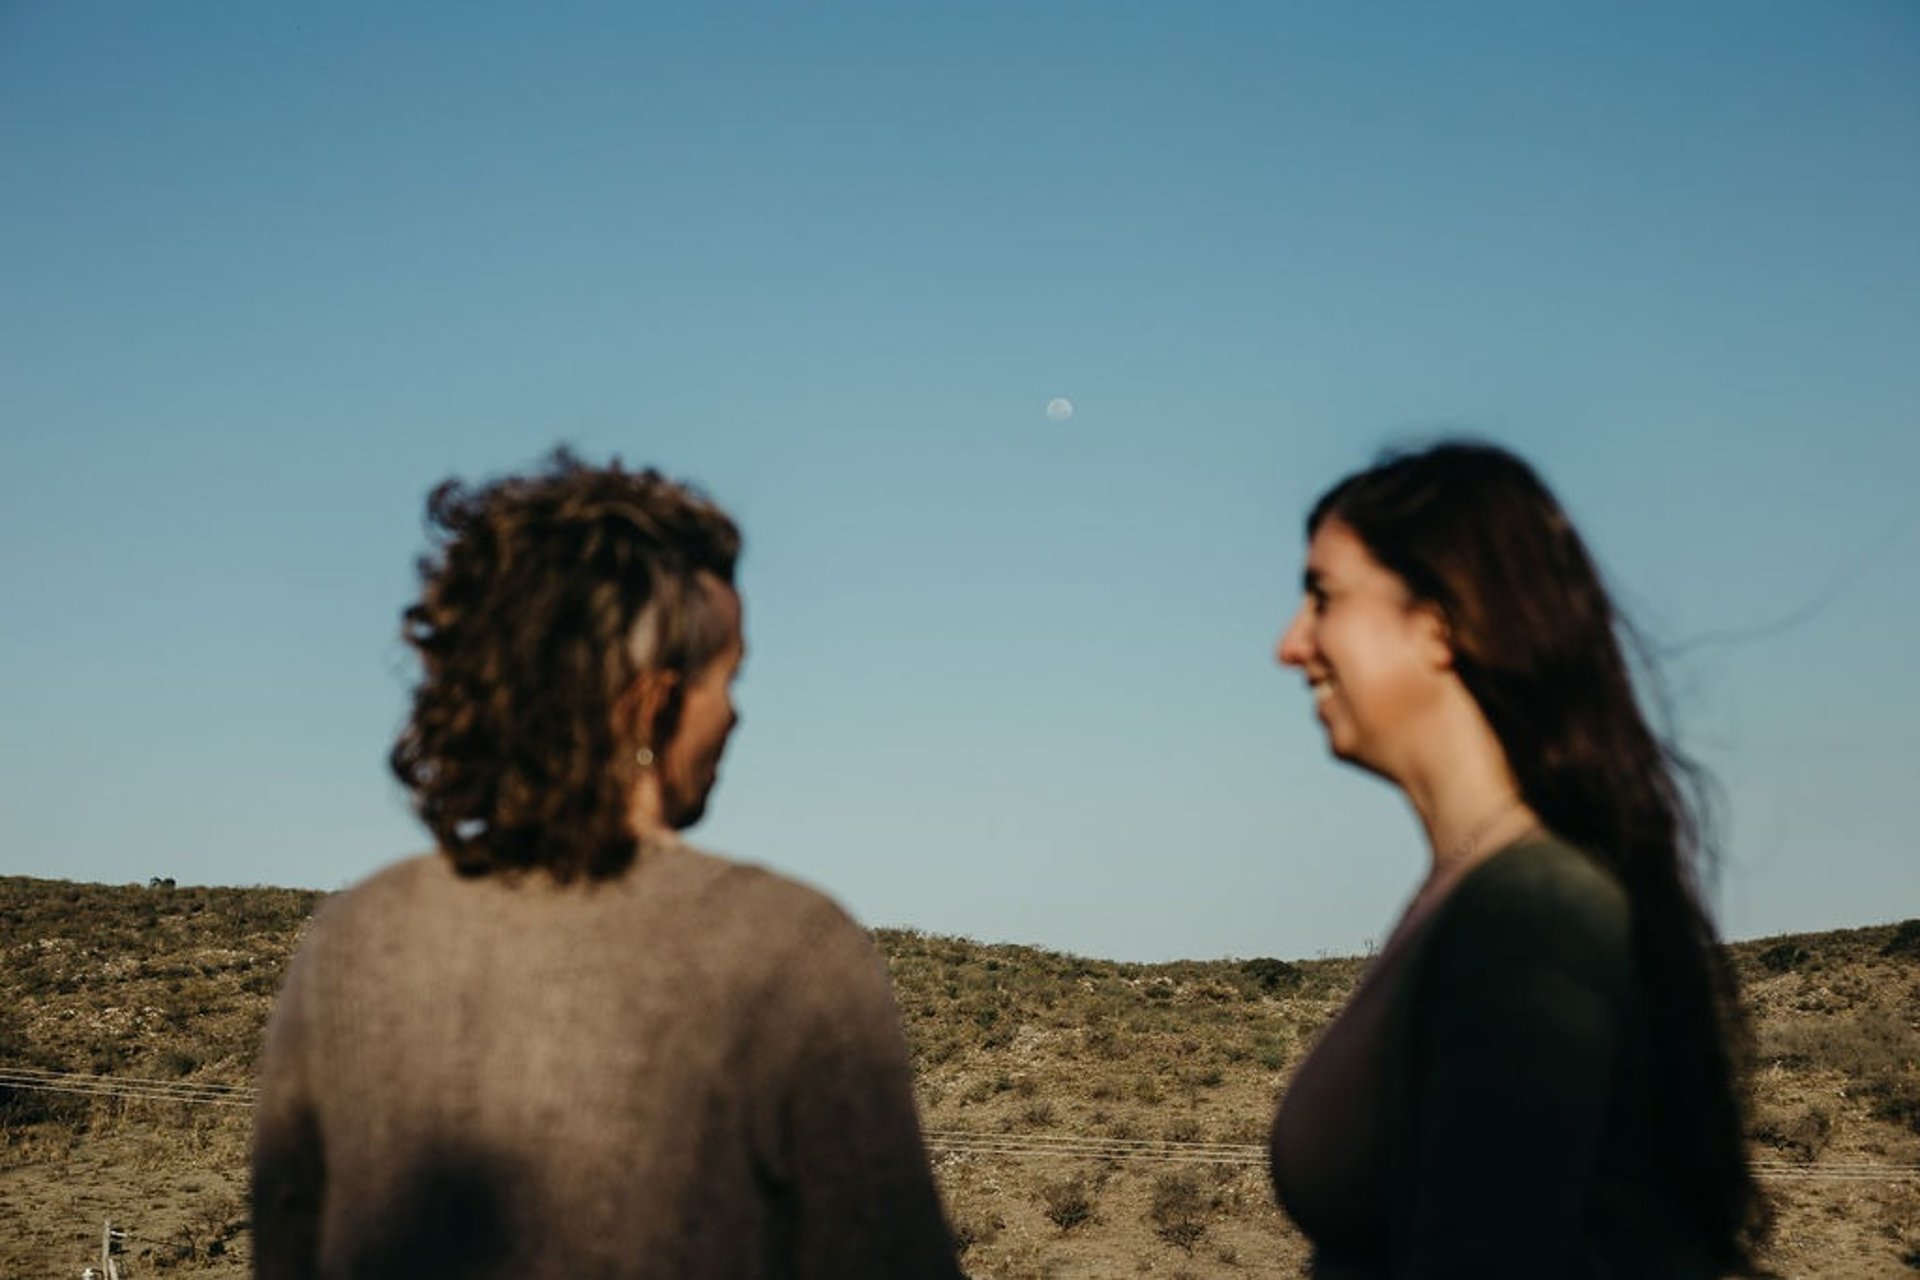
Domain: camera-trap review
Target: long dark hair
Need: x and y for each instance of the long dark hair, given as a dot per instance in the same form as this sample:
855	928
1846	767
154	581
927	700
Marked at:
1474	532
525	627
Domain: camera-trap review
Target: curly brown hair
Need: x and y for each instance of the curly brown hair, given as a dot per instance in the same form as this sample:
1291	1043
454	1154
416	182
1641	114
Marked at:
545	596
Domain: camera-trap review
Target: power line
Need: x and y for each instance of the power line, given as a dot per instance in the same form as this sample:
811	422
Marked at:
1061	1146
1034	1144
1850	1171
1020	1146
222	1095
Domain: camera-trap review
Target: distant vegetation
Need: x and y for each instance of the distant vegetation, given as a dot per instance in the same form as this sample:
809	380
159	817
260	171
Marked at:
150	982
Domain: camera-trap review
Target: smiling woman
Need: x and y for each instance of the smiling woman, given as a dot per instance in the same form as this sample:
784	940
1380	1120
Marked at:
1367	655
1534	1077
567	1043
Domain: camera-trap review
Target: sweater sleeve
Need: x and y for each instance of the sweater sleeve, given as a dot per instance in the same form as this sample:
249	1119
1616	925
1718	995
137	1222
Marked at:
861	1196
1514	1029
288	1169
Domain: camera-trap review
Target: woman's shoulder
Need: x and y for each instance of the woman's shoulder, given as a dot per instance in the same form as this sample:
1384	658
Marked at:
1548	873
1542	896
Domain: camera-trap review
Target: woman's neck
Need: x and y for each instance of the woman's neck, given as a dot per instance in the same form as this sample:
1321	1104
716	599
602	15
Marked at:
1466	796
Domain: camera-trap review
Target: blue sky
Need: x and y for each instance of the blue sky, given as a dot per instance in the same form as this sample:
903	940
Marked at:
271	273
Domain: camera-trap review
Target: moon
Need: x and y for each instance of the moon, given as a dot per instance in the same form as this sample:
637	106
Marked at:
1059	409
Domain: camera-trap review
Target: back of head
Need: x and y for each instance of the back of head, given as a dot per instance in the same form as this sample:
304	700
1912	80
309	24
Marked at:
1472	530
543	600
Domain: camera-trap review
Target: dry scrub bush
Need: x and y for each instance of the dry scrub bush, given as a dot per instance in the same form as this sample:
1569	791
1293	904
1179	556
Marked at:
1800	1133
211	1230
1038	1115
1904	941
1067	1203
974	1225
1179	1210
1182	1129
1877	1049
1783	957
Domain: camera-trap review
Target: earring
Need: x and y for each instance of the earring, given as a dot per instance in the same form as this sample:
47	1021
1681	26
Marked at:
645	756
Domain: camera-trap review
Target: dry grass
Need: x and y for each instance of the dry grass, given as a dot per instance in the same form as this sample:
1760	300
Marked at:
176	983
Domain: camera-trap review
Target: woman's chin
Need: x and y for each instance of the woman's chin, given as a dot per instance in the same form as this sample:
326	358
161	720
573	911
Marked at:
1339	743
1344	749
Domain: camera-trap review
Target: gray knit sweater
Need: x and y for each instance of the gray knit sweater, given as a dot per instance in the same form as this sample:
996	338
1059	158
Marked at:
695	1069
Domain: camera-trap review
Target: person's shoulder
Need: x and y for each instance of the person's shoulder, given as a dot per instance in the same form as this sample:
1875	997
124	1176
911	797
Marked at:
399	881
1549	874
1544	894
393	889
783	905
795	938
352	928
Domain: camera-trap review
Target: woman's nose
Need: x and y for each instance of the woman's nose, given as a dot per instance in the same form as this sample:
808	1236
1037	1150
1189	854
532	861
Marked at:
1295	645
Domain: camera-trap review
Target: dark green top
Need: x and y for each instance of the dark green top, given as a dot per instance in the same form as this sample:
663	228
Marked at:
1514	1091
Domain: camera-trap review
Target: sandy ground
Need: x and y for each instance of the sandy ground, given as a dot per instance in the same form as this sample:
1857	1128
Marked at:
177	1187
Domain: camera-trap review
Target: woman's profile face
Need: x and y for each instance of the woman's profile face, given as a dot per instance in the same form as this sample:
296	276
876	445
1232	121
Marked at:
1373	657
690	764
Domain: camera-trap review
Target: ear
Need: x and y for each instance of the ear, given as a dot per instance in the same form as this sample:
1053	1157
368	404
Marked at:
642	708
1435	634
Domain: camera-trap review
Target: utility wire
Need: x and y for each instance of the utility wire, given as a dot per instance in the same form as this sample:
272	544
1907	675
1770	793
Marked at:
946	1141
225	1095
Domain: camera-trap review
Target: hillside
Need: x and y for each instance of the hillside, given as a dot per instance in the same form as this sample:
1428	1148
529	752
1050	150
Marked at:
1064	1095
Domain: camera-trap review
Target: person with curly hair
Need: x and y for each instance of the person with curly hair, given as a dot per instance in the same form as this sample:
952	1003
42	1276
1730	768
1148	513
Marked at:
568	1043
1536	1076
